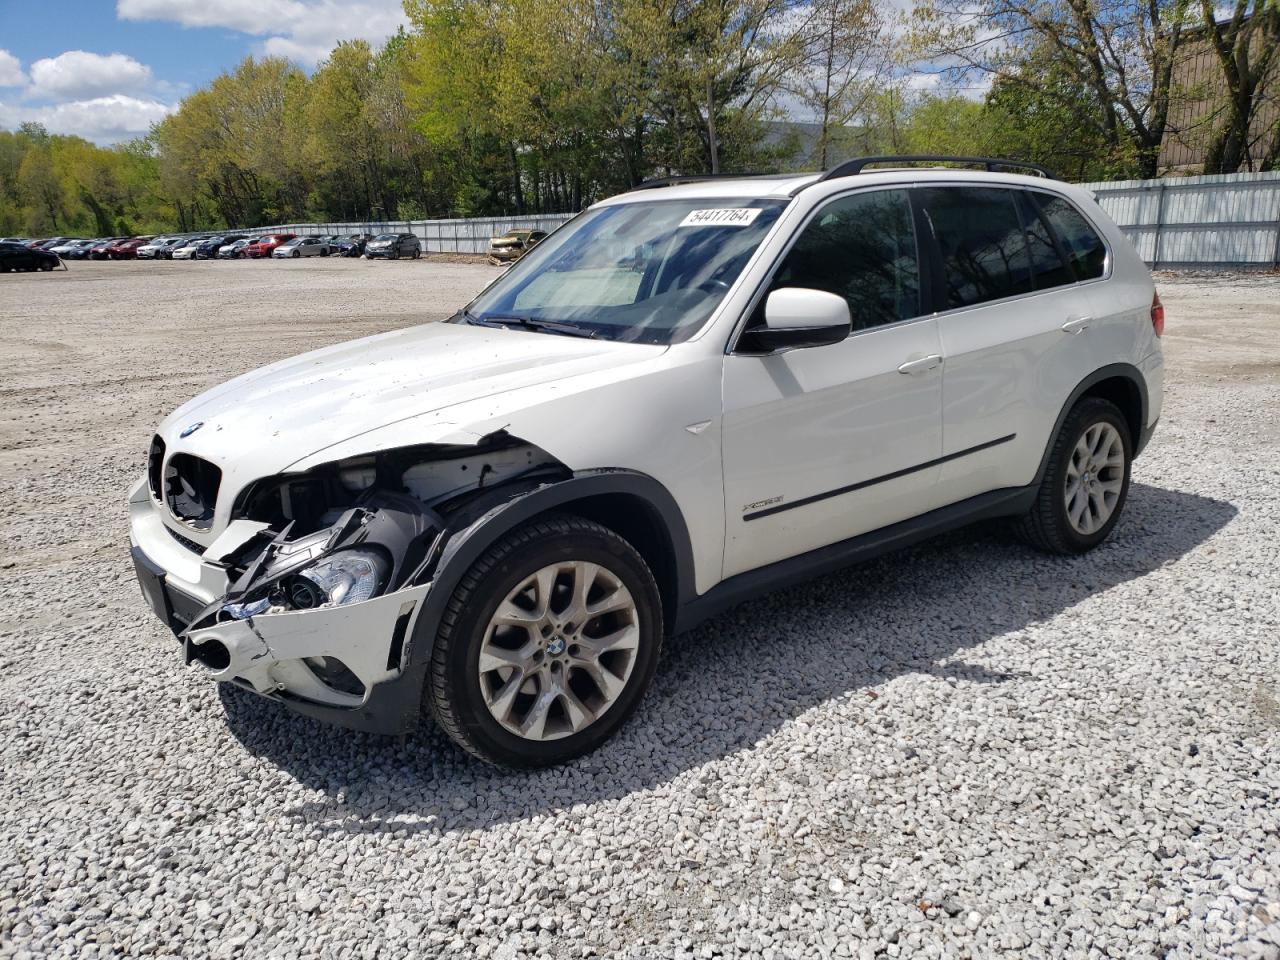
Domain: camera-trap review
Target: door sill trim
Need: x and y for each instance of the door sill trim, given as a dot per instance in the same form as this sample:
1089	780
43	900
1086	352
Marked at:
1012	501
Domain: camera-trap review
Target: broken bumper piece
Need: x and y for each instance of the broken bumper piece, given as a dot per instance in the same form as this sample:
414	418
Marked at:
341	662
330	655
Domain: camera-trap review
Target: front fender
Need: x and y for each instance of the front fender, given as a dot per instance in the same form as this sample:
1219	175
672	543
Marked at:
506	512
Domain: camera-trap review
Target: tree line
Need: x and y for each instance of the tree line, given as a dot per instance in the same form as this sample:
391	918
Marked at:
486	107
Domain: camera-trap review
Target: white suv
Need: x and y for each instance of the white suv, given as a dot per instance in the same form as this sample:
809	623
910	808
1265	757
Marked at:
688	394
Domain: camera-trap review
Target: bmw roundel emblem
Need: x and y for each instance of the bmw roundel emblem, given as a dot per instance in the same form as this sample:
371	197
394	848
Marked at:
192	428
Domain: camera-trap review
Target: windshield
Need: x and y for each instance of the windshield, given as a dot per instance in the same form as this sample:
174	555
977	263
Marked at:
386	236
649	272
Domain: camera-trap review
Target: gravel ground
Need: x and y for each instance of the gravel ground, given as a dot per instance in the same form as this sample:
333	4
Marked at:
958	751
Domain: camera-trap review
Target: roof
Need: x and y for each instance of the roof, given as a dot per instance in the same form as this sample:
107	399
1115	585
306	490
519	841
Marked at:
783	187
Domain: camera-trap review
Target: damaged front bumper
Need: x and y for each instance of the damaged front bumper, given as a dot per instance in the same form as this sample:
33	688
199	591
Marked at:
342	664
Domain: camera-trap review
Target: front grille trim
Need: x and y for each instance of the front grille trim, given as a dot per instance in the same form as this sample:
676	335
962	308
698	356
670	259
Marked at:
189	544
191	489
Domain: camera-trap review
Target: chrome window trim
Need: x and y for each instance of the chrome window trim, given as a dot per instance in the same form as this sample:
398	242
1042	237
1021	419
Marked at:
1108	267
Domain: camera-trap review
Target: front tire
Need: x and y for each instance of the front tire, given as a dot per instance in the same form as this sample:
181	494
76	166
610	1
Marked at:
1086	481
547	644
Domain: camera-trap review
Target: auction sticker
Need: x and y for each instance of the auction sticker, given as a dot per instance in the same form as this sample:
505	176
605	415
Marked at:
721	217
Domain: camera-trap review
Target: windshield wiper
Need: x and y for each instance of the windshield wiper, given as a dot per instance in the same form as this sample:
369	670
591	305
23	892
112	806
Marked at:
534	323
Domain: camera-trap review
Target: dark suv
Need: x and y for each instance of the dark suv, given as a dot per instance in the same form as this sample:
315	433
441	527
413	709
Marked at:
393	246
209	249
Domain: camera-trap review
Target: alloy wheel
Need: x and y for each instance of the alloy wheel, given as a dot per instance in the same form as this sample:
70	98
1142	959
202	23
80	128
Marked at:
559	650
1095	478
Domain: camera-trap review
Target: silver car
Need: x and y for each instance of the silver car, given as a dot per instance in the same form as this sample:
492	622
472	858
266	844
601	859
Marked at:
303	247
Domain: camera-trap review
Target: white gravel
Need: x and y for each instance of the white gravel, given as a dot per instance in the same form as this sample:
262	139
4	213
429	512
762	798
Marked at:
958	751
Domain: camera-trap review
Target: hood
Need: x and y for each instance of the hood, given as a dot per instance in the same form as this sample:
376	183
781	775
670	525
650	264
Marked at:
262	422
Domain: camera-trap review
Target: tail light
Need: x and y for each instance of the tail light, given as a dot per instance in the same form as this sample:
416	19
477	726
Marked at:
1157	315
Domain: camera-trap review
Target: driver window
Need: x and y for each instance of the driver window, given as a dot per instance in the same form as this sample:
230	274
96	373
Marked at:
863	248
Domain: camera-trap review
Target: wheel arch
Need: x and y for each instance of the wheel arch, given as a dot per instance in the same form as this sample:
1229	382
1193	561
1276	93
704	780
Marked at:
634	505
1121	383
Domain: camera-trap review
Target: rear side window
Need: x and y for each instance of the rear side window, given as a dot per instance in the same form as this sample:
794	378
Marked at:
984	251
863	248
1047	267
1084	248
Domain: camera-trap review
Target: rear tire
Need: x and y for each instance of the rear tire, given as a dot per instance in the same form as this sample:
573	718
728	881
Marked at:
574	608
1086	481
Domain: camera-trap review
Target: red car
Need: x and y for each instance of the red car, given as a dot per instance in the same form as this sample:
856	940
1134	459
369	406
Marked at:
127	249
102	251
268	243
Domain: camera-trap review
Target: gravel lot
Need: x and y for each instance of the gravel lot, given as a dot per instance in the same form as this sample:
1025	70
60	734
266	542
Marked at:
958	751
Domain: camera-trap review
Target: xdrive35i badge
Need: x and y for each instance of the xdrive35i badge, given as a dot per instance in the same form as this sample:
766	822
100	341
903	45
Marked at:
190	429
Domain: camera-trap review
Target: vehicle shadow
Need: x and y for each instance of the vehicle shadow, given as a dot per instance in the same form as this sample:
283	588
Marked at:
738	678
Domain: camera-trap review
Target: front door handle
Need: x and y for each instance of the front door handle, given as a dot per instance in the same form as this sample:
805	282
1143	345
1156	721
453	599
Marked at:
921	365
1076	325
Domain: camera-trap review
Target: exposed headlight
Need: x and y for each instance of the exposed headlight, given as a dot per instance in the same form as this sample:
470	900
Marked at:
348	576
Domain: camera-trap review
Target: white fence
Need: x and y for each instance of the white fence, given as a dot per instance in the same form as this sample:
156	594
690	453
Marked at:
1219	222
437	236
1222	222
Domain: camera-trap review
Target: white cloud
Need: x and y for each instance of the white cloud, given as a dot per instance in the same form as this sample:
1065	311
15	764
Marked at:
302	30
11	74
101	119
79	74
246	16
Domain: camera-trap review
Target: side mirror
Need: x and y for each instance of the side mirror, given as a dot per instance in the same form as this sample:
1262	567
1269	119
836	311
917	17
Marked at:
798	317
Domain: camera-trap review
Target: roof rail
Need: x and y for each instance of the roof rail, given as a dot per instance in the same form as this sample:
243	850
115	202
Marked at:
700	177
851	168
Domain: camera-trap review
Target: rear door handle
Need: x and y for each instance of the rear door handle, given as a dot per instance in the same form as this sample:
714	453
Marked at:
1076	325
921	365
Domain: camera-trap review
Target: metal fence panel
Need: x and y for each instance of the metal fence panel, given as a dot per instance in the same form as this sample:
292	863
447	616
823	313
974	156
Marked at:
1218	222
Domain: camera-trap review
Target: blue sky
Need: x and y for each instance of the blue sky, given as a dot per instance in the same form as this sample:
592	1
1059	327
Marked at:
108	69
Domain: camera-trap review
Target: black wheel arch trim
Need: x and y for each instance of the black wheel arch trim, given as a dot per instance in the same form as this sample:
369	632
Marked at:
465	547
1126	371
394	706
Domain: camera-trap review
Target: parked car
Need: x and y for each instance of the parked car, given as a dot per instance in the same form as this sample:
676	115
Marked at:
186	250
73	250
353	246
235	250
49	242
102	251
127	249
152	249
59	247
18	256
209	249
497	518
393	246
514	244
266	244
302	247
